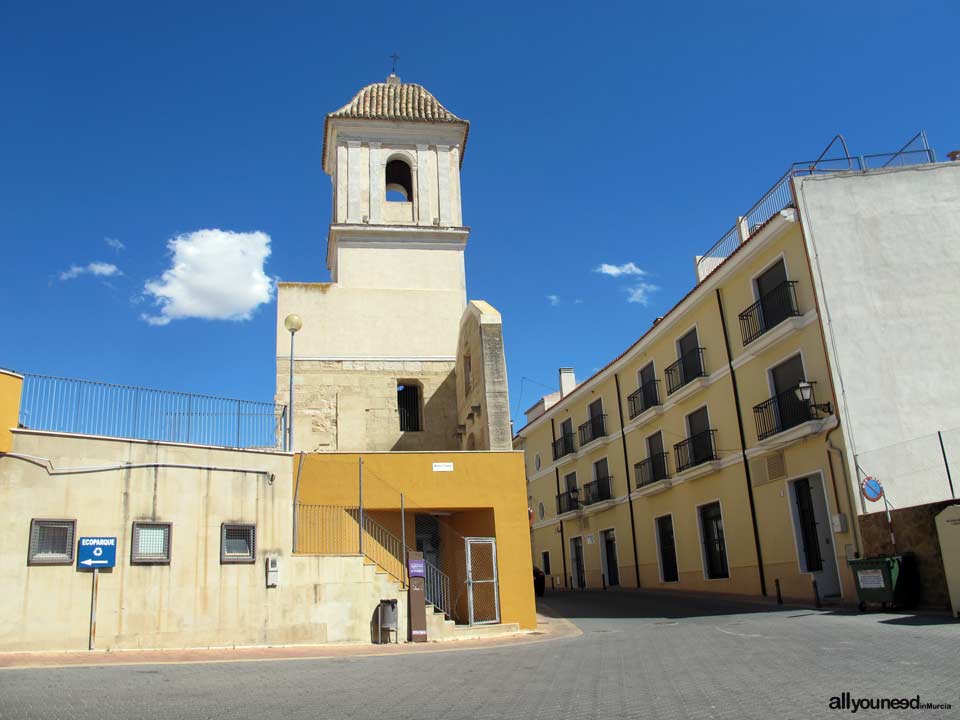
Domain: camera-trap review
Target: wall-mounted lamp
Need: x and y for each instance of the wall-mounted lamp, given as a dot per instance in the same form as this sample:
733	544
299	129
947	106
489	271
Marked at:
804	392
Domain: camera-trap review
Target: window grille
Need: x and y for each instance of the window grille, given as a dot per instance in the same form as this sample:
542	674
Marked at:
238	543
151	543
51	542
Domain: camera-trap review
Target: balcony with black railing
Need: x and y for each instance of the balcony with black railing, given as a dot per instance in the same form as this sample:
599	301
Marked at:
597	491
568	501
689	367
784	411
653	469
769	311
564	445
696	450
595	427
644	398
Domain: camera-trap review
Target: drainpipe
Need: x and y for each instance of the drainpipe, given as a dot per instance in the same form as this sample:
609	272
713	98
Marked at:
855	520
626	466
743	446
556	470
296	500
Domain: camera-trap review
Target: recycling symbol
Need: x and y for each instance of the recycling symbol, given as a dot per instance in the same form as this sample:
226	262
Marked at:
97	551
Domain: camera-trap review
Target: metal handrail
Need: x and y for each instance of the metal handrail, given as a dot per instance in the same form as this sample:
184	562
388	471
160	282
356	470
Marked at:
782	412
595	427
696	449
568	502
436	589
769	311
598	490
652	469
684	371
88	407
564	445
384	548
643	398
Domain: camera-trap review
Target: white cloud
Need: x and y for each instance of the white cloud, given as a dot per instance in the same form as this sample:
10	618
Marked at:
114	243
100	269
214	275
554	299
640	293
618	270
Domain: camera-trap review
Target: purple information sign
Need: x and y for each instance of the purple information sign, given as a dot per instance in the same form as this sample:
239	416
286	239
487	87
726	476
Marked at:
417	568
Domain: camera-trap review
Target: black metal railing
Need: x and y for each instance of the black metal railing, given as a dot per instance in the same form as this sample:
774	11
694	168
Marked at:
592	429
769	311
689	367
563	445
654	468
597	491
696	449
568	502
644	398
783	412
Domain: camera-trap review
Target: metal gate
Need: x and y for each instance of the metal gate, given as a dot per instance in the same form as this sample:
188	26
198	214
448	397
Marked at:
483	594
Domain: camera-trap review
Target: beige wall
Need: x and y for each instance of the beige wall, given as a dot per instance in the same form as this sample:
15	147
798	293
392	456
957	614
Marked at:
194	601
11	386
352	405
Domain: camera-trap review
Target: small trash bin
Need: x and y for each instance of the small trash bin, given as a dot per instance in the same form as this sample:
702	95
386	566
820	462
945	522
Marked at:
388	619
887	580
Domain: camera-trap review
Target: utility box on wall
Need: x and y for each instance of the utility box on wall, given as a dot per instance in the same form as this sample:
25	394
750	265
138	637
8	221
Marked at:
272	566
948	530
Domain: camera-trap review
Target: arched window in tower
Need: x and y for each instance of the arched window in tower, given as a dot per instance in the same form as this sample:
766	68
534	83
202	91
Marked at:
399	181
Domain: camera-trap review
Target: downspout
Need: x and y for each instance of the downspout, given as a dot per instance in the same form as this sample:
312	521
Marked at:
743	446
626	466
855	520
556	470
296	500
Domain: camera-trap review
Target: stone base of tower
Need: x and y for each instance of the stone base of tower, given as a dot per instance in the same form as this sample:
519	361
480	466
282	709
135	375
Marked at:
352	404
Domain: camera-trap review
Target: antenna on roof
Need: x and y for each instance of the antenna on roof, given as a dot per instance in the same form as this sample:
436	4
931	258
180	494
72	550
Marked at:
395	59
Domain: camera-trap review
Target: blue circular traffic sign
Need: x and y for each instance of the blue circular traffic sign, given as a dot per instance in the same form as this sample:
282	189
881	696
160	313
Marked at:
871	489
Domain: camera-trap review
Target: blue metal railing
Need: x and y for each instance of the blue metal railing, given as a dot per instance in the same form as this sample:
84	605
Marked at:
94	408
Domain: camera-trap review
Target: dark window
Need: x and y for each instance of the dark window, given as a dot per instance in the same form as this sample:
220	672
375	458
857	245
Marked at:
467	372
668	549
714	547
51	542
545	562
772	304
689	357
238	543
151	543
399	181
408	405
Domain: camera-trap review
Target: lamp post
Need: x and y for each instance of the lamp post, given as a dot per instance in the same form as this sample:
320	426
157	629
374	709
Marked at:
292	323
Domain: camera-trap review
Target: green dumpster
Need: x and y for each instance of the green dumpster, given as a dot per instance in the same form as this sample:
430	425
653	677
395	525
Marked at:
887	580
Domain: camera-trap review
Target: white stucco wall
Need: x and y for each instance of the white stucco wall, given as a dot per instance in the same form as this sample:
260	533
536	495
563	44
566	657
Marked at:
885	254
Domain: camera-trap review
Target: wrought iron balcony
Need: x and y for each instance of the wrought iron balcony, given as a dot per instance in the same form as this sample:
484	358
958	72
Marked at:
654	468
568	501
696	450
563	445
597	491
689	367
769	311
644	398
783	412
592	429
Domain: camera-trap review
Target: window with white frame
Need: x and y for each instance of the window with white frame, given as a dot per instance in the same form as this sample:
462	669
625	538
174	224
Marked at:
51	542
151	543
238	543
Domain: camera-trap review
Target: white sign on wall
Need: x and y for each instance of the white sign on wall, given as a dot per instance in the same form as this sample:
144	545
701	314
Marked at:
443	467
870	578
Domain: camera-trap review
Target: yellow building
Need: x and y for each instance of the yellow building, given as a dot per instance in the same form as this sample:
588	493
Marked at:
711	454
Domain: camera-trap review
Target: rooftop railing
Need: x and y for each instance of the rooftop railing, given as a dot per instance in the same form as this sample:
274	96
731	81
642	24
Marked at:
779	197
94	408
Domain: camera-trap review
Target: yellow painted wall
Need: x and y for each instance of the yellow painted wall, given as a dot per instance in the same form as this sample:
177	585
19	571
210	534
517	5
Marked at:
492	481
11	385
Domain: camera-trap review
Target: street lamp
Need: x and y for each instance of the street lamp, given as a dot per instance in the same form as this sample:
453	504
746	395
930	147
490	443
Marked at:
292	323
804	392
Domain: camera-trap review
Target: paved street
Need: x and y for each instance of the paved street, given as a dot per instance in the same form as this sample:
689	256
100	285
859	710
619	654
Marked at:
640	655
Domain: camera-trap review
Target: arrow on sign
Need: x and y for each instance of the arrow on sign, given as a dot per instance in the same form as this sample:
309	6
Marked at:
88	562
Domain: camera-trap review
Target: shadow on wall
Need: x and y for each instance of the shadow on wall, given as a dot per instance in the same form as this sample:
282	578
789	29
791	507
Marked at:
438	421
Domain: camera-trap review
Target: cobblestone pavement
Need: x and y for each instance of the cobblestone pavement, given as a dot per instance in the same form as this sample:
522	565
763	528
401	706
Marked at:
641	655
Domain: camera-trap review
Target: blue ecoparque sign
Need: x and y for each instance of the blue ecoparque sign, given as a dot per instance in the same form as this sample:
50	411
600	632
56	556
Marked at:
96	552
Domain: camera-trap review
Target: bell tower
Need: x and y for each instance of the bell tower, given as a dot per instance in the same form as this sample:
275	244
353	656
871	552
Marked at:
374	364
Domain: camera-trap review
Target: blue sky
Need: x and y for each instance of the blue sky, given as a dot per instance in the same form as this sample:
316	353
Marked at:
626	133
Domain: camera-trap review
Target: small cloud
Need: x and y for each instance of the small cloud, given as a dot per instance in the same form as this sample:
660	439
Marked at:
213	275
578	301
99	269
640	293
618	270
554	299
114	243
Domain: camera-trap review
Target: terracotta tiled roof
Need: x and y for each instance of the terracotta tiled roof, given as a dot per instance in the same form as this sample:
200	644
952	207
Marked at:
395	100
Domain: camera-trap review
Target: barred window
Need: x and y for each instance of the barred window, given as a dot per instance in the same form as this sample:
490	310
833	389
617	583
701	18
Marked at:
238	543
51	542
151	543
